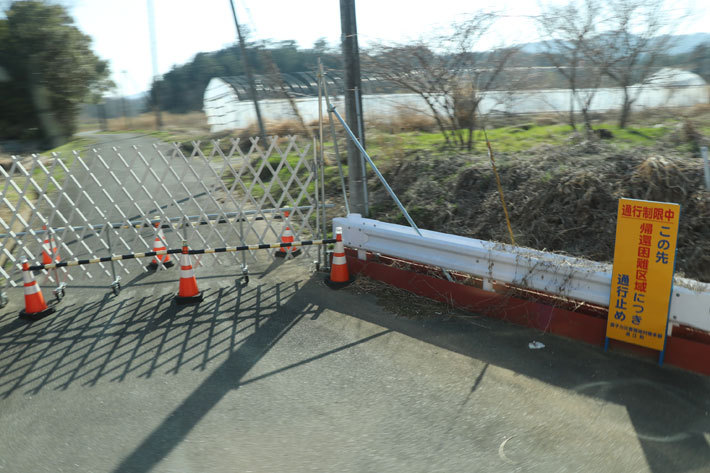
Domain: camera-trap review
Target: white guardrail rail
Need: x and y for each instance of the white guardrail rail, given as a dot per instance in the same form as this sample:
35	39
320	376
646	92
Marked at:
573	278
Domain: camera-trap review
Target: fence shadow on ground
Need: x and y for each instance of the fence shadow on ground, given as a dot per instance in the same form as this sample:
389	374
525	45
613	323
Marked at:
113	338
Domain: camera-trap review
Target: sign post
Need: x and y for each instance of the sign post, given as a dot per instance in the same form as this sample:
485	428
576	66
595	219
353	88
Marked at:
642	278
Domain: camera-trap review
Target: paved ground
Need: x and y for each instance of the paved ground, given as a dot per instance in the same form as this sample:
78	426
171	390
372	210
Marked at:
282	374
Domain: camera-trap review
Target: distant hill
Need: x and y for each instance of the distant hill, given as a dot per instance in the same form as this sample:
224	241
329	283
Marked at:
685	43
682	44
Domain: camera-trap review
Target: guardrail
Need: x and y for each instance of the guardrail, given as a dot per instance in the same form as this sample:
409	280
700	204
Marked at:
565	276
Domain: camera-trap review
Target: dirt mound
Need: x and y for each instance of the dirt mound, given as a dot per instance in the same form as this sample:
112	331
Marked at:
559	199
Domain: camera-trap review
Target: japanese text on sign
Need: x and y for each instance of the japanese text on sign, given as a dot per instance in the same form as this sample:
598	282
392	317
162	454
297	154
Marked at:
644	254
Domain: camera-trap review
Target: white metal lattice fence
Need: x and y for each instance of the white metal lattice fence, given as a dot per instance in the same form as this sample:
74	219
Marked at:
99	203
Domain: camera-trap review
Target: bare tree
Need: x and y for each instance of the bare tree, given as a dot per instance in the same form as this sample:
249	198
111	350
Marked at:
415	67
484	73
472	73
570	30
276	81
639	34
451	80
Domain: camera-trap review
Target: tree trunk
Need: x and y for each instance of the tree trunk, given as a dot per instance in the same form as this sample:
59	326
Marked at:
459	137
587	122
50	127
625	109
572	121
471	125
437	119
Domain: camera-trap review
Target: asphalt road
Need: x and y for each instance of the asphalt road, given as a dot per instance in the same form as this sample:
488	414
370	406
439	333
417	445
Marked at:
283	374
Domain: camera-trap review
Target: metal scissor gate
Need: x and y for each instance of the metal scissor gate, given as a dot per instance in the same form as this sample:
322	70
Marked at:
95	203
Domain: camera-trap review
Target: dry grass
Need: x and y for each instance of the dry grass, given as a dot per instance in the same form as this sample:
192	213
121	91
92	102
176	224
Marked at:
546	119
403	121
402	303
194	122
281	128
560	198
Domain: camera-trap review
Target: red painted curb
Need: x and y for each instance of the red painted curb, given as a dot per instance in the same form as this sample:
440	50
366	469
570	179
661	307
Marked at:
687	348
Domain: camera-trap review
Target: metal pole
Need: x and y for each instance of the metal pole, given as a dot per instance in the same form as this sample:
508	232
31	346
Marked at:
110	253
250	77
59	290
51	253
245	267
361	134
351	59
116	284
317	192
706	166
377	171
335	144
323	250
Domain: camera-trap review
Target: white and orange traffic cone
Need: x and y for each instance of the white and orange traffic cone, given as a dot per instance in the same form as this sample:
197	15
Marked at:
50	252
287	237
159	245
35	307
187	291
339	274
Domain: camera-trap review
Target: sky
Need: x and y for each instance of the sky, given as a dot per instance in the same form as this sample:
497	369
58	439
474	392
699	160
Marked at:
120	33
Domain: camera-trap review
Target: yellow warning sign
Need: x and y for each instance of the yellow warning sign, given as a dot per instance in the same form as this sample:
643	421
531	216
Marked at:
644	257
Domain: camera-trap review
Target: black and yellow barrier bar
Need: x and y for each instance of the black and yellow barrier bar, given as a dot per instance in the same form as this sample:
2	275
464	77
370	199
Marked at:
147	254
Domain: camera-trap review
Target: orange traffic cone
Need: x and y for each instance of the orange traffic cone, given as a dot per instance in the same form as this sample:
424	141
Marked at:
187	291
159	245
287	237
35	307
339	274
49	248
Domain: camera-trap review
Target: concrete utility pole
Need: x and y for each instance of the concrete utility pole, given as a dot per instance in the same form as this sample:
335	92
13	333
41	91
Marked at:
250	77
351	58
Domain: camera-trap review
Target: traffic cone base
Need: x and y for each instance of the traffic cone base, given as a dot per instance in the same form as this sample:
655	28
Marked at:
36	315
283	252
337	284
182	300
153	265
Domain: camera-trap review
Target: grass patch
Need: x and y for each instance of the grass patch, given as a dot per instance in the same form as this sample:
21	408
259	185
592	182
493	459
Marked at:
513	139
